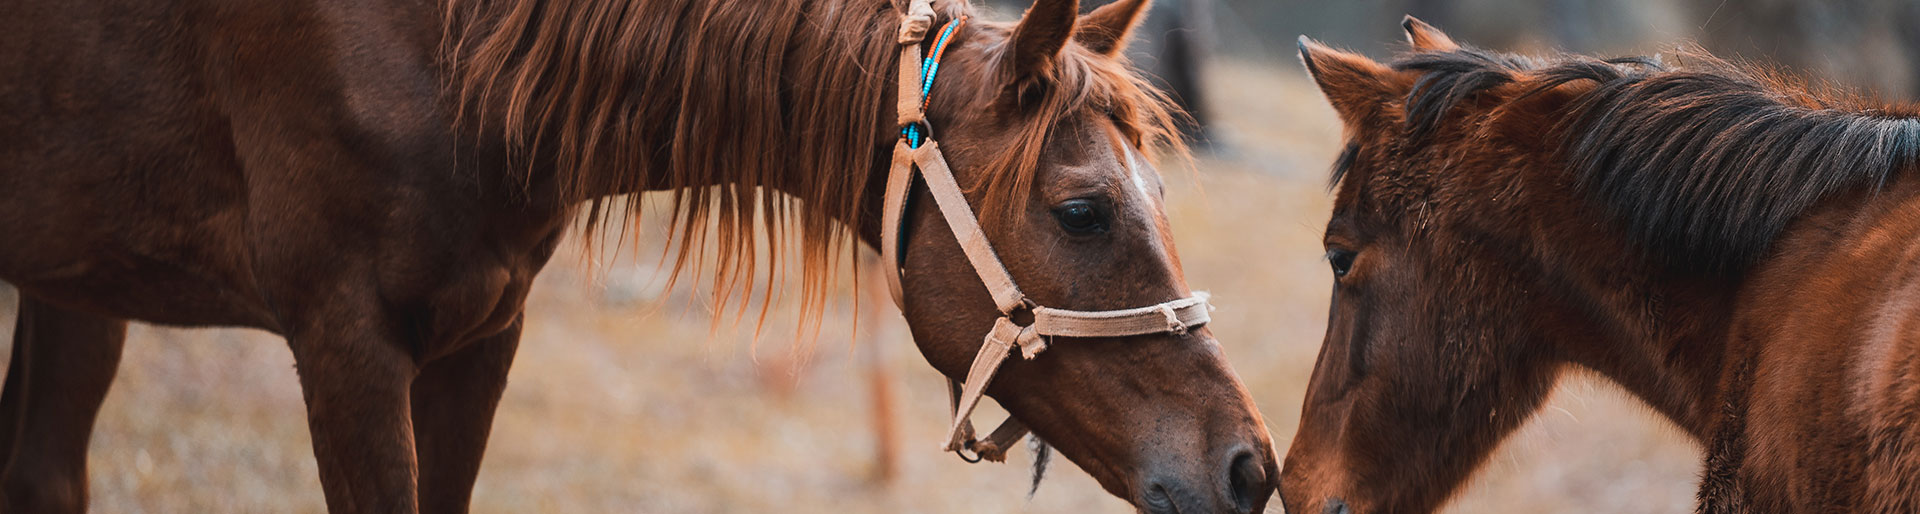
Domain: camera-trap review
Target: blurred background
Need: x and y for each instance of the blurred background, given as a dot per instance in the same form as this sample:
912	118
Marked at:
629	397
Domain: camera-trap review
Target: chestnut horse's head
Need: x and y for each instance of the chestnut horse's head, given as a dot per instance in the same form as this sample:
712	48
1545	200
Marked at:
1444	301
1045	127
1499	218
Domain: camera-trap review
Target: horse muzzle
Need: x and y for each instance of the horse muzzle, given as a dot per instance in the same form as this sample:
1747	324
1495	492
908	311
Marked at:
1240	483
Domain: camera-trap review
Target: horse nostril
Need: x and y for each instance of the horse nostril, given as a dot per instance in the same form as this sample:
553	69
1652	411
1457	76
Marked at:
1157	501
1246	481
1335	506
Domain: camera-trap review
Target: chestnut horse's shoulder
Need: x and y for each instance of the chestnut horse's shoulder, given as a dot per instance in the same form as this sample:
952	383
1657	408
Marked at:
1848	362
1890	407
1887	376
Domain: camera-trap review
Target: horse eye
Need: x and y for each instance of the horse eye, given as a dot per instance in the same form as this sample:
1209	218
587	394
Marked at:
1080	216
1341	260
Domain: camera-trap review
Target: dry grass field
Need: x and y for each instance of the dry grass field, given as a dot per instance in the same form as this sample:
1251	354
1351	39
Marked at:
625	399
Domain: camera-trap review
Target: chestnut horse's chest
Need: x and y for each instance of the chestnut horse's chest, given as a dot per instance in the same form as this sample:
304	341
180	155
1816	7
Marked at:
235	176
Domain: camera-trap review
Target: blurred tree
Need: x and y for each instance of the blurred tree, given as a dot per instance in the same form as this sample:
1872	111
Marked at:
1871	45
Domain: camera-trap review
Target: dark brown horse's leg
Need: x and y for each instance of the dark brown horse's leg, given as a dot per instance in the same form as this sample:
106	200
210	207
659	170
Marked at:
63	363
356	388
12	401
453	404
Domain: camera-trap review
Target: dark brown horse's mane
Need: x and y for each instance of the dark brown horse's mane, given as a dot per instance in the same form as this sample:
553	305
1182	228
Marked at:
720	100
1704	164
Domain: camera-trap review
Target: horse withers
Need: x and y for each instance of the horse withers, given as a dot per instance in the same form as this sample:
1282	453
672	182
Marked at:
1734	250
379	181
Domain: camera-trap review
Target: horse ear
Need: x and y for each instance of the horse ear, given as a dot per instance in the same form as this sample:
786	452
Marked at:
1042	33
1106	29
1354	84
1425	38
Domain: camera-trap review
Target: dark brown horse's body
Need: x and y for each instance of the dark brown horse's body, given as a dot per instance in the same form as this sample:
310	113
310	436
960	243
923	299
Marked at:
1735	251
379	181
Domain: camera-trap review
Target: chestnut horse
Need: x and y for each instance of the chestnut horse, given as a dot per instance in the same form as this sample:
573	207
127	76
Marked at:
380	180
1736	251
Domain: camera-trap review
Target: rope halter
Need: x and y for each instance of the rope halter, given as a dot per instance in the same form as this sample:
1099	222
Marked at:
916	154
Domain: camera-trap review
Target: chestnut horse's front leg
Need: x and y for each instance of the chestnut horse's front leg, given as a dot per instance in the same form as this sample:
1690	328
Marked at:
356	375
63	363
453	404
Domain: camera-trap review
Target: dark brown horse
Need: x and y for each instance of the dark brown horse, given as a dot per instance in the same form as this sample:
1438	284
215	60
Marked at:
380	180
1736	251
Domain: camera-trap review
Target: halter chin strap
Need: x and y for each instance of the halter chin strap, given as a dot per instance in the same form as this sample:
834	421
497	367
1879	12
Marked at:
911	155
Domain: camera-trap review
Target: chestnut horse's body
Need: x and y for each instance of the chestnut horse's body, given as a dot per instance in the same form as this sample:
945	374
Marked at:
1736	251
380	180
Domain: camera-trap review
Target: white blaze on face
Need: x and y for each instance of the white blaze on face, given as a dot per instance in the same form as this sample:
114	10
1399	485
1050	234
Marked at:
1135	163
1149	204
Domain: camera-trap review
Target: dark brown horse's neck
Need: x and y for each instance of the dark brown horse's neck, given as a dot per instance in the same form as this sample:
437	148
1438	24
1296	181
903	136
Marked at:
868	209
868	229
794	177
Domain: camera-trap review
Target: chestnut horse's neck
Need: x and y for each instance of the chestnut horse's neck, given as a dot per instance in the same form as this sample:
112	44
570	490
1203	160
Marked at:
1660	335
1664	341
1655	195
1674	338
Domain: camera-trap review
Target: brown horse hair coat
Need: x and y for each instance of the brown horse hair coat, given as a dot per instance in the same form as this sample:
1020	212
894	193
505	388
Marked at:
560	81
1733	248
1705	164
380	182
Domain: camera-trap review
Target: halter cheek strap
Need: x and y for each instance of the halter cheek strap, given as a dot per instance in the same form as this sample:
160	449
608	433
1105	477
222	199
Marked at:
918	155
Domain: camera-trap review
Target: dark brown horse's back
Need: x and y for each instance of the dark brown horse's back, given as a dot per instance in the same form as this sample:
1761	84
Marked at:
195	151
111	152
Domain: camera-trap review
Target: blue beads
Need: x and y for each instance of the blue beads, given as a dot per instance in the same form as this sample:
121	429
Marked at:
929	67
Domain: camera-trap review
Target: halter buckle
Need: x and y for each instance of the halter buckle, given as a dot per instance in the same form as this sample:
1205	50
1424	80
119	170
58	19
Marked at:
920	124
968	447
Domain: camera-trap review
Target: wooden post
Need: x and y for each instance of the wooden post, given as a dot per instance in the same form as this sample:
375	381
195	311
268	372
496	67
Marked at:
875	305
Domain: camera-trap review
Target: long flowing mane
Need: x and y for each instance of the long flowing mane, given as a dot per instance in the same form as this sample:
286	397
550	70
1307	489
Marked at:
1705	164
721	100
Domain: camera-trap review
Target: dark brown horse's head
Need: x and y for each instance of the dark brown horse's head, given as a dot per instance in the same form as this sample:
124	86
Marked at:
1045	126
763	113
1442	301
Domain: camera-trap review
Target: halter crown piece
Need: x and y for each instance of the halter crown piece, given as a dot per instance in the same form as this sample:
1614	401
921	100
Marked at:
917	154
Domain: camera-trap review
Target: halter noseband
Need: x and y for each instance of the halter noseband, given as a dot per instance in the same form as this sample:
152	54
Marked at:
916	150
